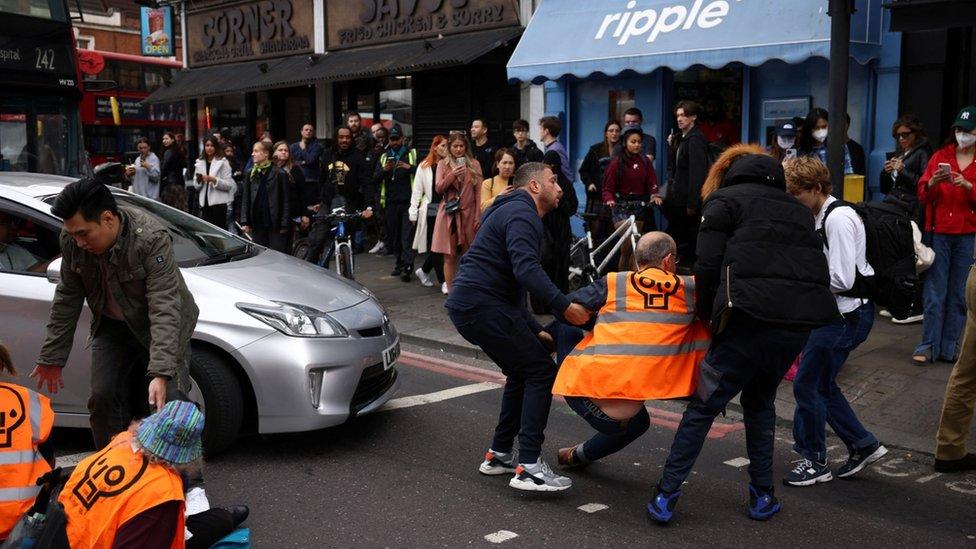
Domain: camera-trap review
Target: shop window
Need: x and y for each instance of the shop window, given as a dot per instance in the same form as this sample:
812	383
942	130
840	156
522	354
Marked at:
396	103
620	101
719	92
366	107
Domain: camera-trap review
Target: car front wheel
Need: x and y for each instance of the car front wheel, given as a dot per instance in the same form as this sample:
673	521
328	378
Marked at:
216	388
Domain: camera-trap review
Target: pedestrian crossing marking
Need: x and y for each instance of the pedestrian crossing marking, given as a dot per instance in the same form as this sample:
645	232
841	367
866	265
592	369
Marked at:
738	462
439	396
501	536
593	507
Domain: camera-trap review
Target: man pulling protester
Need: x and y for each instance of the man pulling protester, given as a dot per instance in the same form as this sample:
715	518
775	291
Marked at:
646	343
487	306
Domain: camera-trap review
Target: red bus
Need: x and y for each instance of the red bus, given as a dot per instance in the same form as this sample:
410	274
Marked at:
135	77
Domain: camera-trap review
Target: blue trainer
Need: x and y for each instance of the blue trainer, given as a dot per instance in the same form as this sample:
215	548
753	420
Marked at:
661	507
762	504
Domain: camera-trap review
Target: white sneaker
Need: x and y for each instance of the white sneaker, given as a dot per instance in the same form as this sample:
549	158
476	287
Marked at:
375	249
538	477
497	464
907	320
882	312
424	278
444	288
196	501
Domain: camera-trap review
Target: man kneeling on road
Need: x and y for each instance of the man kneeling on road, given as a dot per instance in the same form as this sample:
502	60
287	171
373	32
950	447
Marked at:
646	343
487	306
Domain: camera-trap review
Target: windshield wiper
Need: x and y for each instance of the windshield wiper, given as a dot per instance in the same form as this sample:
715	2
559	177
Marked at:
244	251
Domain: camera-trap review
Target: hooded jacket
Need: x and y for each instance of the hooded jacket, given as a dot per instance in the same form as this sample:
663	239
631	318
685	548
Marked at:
504	262
758	251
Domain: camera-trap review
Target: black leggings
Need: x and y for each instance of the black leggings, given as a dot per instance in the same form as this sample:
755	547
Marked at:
434	260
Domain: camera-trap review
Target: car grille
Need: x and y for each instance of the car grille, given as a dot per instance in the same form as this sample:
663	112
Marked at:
375	331
374	382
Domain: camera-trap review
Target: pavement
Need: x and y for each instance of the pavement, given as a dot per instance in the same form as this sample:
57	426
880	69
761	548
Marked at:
895	399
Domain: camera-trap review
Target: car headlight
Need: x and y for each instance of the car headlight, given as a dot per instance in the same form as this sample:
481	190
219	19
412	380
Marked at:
295	320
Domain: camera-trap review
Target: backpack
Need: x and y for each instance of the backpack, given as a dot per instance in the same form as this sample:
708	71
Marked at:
44	526
890	251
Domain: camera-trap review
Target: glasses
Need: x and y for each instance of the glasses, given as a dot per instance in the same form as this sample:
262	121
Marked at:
902	135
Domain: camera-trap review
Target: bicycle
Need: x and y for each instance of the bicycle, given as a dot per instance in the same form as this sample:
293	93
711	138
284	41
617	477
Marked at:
334	222
583	269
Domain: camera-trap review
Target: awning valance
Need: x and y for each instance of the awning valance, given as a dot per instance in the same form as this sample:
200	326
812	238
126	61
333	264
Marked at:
582	37
367	62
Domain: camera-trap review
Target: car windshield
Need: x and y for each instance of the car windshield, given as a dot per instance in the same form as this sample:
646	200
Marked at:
195	242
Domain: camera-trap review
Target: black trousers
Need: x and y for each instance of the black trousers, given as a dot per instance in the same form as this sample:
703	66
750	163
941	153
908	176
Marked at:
215	214
505	336
683	228
399	233
271	238
748	357
433	260
208	527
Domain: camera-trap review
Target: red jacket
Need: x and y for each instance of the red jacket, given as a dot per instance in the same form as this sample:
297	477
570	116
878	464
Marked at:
948	209
638	178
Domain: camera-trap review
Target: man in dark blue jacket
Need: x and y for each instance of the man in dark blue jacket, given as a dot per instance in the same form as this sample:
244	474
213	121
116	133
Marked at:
487	306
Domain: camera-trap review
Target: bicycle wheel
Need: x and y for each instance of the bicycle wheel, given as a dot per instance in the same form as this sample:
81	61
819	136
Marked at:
300	248
344	261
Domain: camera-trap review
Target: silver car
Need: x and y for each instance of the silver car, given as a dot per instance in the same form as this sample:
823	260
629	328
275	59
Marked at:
281	345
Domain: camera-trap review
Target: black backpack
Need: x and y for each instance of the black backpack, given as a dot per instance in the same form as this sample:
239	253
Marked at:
890	251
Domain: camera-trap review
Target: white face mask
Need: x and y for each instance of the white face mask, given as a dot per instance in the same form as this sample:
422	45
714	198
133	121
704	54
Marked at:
965	140
820	135
785	142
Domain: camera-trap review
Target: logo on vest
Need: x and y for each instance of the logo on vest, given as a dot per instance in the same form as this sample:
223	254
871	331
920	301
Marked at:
104	481
11	419
656	292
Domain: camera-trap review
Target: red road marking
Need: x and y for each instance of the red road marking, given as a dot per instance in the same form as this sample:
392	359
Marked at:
659	417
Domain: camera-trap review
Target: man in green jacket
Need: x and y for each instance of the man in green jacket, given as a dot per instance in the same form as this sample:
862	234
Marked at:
121	261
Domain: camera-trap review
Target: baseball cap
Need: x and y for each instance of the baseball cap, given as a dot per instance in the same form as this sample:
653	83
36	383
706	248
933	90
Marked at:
396	131
629	129
786	128
966	121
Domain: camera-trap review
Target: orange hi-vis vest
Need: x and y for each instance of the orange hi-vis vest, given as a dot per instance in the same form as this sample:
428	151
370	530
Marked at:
646	343
110	487
26	419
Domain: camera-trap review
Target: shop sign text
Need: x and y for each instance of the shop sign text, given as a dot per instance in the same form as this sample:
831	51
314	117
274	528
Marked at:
268	28
374	21
649	24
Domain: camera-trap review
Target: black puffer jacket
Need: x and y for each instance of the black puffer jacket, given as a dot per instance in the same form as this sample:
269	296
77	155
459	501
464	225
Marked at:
758	251
905	186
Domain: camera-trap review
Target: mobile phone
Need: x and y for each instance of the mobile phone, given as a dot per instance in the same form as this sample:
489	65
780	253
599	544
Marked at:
944	168
459	161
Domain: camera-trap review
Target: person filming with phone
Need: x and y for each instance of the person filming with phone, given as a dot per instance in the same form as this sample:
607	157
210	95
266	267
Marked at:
948	198
143	173
121	262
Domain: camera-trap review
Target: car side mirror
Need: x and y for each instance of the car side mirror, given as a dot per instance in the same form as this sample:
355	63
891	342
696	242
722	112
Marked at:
54	271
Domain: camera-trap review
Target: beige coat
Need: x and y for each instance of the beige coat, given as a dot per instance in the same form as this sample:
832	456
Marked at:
420	196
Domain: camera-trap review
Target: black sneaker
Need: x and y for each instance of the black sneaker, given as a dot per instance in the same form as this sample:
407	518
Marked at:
396	271
808	473
861	459
405	274
965	463
762	503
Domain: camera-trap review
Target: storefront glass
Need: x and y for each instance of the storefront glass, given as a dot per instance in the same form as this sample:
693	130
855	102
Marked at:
719	92
228	111
396	103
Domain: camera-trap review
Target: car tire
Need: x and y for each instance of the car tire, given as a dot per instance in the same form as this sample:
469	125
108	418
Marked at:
222	400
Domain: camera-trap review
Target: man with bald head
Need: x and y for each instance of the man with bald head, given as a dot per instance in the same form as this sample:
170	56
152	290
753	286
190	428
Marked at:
645	343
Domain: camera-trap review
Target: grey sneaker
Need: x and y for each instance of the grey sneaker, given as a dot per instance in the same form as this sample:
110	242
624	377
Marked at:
538	477
496	463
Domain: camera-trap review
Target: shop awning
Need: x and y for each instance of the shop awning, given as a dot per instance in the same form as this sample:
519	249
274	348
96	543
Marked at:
387	59
584	37
919	15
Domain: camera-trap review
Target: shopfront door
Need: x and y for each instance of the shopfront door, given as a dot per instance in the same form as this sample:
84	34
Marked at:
719	92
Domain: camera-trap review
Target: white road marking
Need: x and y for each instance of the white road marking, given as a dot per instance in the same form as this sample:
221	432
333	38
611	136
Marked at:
71	459
501	536
593	507
446	394
925	479
738	462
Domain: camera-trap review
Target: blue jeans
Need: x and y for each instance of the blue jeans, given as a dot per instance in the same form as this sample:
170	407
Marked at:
945	296
750	357
613	434
819	400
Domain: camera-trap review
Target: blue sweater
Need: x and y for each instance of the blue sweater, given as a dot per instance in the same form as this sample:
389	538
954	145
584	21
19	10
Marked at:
504	262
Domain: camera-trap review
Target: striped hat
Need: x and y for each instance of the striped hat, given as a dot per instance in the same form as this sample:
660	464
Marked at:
173	433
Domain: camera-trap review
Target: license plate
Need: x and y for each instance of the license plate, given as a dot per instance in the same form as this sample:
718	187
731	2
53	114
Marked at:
391	355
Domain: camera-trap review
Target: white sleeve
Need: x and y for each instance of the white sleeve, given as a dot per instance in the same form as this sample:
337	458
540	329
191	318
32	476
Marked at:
841	230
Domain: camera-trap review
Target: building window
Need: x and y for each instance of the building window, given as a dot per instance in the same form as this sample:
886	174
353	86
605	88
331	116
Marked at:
85	42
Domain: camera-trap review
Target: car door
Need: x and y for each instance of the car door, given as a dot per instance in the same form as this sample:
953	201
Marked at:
28	243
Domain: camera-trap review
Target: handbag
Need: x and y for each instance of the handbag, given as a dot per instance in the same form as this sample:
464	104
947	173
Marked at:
452	206
432	208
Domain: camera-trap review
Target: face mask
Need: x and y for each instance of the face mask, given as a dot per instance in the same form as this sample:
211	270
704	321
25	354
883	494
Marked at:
785	142
965	140
820	135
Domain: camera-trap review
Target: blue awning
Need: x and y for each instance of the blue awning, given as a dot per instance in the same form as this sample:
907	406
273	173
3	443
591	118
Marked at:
582	37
